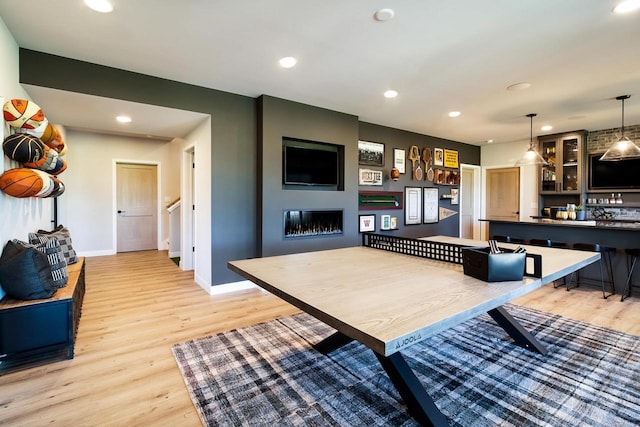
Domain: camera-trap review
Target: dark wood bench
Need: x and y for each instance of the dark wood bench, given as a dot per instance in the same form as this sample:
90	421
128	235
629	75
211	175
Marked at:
37	331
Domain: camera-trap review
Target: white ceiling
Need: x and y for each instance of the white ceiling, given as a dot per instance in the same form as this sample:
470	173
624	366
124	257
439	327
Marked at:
439	55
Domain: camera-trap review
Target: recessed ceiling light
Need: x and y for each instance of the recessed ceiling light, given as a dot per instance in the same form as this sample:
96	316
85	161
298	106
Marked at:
384	14
124	119
627	6
288	62
390	93
454	114
519	86
102	6
489	141
546	128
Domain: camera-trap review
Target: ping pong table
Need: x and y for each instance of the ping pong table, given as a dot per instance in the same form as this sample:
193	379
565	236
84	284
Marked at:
389	301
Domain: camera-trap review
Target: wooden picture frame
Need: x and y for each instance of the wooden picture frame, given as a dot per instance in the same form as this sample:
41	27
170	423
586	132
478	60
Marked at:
400	159
412	205
370	153
430	205
366	223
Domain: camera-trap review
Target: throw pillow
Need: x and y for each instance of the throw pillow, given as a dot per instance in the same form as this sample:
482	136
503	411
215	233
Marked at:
25	273
2	292
51	248
63	236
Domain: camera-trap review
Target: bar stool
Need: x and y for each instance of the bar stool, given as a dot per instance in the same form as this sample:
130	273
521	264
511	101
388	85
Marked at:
605	262
632	258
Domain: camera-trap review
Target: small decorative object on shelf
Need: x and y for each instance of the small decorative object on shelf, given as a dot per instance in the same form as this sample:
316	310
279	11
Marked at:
580	213
619	200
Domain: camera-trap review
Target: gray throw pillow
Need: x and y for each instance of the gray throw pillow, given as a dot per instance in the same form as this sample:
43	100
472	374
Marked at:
64	237
25	273
51	248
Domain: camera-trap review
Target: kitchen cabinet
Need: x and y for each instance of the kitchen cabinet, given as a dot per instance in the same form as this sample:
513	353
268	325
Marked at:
564	173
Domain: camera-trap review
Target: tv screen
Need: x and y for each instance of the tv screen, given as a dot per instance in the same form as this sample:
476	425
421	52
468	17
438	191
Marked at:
309	165
622	174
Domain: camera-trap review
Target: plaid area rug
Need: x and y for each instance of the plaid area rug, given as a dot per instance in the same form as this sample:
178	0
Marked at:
268	374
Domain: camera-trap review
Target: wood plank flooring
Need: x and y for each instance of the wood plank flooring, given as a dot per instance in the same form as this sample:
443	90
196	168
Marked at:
138	304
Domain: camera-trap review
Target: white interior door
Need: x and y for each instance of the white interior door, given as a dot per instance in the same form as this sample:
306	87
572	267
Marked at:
137	207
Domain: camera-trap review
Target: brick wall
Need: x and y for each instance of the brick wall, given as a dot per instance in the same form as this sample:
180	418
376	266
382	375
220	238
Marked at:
600	140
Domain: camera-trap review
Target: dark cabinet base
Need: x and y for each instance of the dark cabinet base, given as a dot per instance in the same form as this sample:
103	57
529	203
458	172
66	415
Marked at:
38	331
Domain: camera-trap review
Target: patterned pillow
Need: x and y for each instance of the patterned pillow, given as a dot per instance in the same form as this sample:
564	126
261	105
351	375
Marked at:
51	248
63	236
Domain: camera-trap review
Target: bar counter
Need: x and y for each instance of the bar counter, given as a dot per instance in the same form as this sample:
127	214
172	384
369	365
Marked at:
614	233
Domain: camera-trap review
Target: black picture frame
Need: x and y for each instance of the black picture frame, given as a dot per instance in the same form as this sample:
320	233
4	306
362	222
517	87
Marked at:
370	153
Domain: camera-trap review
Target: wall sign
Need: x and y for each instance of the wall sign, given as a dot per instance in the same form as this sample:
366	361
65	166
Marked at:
451	159
369	177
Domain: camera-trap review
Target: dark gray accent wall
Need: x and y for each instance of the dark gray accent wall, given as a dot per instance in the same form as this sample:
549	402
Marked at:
280	118
396	138
233	136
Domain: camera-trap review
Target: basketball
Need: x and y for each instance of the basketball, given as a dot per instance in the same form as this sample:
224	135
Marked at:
37	132
47	184
22	113
48	134
24	148
57	167
21	182
58	187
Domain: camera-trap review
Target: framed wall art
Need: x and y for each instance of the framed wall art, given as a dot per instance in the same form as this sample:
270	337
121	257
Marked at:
455	196
438	156
451	159
366	223
369	177
385	222
370	153
399	158
413	205
430	205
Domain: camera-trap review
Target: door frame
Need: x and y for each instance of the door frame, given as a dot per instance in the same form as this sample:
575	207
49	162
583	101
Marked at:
477	196
483	214
114	199
187	195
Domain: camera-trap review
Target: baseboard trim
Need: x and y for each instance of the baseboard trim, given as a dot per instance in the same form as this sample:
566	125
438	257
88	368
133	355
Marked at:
232	287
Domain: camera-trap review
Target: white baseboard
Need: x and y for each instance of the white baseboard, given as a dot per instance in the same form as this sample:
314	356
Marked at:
97	253
232	287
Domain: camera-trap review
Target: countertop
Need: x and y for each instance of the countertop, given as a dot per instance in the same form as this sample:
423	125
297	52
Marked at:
607	224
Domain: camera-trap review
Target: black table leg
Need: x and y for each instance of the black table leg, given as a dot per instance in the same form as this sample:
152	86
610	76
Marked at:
519	334
419	403
332	342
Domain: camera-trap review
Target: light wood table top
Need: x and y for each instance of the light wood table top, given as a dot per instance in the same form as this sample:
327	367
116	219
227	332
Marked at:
389	301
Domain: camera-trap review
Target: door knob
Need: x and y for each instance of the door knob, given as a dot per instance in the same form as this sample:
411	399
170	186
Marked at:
119	211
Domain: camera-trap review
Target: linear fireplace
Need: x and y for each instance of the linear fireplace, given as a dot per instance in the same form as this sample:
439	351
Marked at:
298	223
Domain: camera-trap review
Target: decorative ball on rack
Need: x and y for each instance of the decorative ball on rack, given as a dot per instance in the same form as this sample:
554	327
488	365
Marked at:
22	113
24	148
21	182
37	132
58	187
395	174
47	184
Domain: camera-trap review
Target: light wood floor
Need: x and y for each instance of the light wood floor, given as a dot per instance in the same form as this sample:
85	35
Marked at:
138	304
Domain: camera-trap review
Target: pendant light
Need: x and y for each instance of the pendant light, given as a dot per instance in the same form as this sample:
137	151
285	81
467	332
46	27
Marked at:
531	156
623	148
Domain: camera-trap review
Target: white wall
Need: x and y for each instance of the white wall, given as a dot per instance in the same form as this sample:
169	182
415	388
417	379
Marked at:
19	216
505	156
87	206
200	140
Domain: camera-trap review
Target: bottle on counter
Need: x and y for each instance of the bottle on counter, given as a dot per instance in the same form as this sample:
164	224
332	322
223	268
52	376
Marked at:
619	199
612	200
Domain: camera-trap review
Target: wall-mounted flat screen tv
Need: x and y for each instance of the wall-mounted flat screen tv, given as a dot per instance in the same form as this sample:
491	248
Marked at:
622	174
310	163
